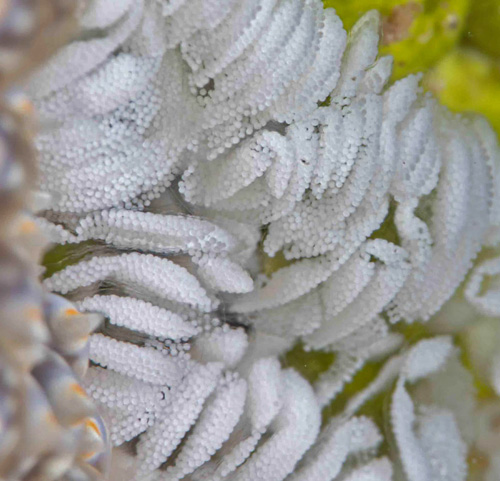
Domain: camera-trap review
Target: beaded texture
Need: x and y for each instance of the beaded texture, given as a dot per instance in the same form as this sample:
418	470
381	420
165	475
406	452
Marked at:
260	116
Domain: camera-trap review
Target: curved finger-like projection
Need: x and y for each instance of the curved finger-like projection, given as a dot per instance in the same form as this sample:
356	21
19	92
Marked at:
159	276
461	206
429	442
141	316
376	470
165	371
486	302
377	161
322	152
380	200
154	80
337	442
166	234
104	98
280	422
178	388
330	305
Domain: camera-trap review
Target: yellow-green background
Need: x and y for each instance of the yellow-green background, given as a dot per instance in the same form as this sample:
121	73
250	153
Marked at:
455	43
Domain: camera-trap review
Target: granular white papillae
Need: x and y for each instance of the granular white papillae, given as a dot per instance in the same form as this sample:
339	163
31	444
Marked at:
178	142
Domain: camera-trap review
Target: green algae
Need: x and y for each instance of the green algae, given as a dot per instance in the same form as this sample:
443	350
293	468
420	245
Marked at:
417	33
63	255
483	27
311	364
467	80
